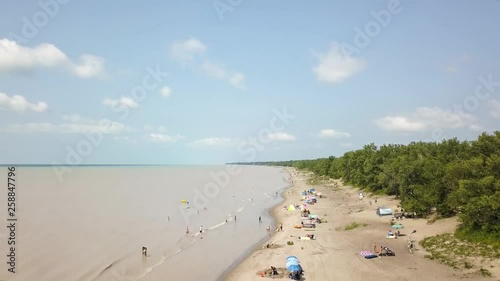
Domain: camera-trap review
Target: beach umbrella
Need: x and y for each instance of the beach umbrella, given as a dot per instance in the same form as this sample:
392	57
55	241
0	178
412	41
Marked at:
292	257
294	267
291	264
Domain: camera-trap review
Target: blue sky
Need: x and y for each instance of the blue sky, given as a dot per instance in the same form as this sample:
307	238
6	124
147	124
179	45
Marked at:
208	82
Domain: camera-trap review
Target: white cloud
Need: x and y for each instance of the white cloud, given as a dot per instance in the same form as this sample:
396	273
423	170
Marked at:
75	124
163	138
331	133
426	118
166	91
16	58
211	142
90	67
185	51
337	65
122	102
280	136
213	70
451	69
19	104
236	79
456	63
399	123
495	108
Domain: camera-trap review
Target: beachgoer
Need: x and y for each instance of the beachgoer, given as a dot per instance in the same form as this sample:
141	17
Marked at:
168	218
275	272
260	219
234	218
370	202
281	226
374	247
144	251
375	200
268	228
187	230
201	229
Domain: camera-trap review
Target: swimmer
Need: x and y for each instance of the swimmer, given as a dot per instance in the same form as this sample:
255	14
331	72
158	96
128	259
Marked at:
187	230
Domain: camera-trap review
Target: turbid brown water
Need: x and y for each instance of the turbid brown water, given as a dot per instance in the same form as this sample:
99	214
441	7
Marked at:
93	224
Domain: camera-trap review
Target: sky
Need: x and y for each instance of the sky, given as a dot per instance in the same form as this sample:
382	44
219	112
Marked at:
208	82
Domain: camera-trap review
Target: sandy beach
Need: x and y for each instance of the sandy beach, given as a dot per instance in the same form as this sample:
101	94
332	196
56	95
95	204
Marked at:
334	254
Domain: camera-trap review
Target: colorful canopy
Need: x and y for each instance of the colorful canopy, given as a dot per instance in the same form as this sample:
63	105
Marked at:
293	264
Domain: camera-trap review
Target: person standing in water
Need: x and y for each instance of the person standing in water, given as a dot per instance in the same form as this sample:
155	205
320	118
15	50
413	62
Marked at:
187	230
201	229
260	219
234	218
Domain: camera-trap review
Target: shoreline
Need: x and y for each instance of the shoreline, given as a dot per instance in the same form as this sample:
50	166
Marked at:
273	212
334	254
232	273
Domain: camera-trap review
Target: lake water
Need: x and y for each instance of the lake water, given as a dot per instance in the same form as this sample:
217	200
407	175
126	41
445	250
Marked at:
92	223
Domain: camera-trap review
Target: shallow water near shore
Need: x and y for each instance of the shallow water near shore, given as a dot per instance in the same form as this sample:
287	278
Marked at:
93	224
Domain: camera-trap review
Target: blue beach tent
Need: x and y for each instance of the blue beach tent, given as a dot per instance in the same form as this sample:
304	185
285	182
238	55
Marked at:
294	268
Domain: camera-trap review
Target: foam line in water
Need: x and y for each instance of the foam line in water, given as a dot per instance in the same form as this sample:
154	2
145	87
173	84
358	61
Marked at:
217	225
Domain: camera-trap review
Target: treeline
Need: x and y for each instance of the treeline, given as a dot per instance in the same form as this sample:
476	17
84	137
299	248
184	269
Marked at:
451	178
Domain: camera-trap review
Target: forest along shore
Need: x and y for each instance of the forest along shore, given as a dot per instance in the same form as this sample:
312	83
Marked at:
352	226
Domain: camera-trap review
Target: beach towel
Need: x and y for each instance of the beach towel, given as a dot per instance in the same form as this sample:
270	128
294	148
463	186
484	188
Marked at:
397	226
368	254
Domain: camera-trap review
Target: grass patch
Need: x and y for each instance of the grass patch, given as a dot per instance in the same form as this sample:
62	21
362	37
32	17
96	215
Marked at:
354	225
457	253
492	239
318	180
484	272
